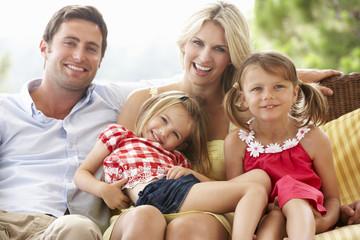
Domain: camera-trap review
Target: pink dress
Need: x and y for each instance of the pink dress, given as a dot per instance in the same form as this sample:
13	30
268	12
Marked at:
289	167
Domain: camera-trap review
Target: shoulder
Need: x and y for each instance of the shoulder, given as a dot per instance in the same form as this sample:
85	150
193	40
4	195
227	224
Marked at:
233	139
316	142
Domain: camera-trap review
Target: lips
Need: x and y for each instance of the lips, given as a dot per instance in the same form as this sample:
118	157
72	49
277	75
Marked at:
156	137
201	68
269	106
76	68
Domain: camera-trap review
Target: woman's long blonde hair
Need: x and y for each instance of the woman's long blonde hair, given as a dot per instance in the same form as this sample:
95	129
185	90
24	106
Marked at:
237	35
196	150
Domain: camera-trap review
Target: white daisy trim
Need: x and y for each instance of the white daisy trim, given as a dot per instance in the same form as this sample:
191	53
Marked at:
255	147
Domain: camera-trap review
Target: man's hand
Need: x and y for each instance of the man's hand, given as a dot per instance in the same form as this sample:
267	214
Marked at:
350	214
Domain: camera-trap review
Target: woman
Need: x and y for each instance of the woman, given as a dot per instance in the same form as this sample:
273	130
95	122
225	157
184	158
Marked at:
213	45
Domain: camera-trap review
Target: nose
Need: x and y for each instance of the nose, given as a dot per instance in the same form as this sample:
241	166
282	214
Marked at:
205	54
78	55
268	95
164	132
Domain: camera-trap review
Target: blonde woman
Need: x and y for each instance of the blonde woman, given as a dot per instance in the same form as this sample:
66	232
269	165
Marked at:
213	44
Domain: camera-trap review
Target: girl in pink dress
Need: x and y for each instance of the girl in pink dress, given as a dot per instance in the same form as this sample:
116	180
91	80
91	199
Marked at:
283	139
152	166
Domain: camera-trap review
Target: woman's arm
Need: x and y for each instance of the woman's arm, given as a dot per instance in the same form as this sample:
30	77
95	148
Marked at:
315	75
131	108
85	180
234	151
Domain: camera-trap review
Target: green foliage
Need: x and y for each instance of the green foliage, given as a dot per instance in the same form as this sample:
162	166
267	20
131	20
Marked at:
315	34
5	64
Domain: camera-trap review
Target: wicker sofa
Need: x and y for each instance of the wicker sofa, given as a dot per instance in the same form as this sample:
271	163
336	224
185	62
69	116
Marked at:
342	129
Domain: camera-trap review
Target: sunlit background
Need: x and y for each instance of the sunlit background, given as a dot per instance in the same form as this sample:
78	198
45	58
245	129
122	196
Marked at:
141	41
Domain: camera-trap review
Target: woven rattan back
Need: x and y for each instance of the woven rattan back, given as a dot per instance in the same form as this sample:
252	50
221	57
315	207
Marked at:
346	97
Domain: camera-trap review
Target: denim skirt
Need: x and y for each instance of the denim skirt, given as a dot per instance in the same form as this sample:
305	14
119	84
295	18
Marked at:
167	195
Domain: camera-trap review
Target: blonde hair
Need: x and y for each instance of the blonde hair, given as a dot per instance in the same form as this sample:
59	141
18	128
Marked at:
311	106
196	150
237	35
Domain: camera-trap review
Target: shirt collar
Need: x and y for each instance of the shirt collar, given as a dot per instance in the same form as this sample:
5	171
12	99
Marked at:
29	105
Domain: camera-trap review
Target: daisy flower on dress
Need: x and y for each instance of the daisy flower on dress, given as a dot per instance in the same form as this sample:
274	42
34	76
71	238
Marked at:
245	136
273	148
290	143
301	132
255	148
160	172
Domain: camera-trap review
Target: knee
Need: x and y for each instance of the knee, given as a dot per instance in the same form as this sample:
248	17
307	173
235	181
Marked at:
264	179
143	222
259	191
145	216
73	227
181	229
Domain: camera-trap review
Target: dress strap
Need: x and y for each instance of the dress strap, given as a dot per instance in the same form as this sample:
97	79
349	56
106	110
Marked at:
153	91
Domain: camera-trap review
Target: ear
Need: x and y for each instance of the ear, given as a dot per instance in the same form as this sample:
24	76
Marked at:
43	49
243	100
100	62
182	146
296	93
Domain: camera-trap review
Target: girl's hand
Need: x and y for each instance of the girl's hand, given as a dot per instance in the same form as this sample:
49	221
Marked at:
113	195
177	172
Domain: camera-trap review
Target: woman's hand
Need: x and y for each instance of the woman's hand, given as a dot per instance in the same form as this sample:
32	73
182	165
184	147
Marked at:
315	75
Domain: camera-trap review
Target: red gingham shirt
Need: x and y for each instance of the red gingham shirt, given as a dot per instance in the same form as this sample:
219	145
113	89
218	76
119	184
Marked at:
135	158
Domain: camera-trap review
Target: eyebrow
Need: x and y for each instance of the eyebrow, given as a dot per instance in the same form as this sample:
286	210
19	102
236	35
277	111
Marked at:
78	40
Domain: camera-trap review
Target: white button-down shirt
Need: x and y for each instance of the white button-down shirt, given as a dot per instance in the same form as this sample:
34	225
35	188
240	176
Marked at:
39	155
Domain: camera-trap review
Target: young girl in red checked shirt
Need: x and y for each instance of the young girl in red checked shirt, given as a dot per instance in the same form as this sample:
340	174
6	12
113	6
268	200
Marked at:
170	135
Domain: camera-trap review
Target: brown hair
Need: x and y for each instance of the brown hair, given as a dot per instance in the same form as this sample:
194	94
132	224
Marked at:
67	13
311	106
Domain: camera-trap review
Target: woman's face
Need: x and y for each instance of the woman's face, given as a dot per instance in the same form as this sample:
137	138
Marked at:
206	55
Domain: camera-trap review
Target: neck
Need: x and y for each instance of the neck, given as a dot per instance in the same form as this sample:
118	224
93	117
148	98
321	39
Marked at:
212	95
54	103
276	131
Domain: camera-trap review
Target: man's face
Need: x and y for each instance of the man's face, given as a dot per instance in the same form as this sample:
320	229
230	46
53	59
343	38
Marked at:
73	56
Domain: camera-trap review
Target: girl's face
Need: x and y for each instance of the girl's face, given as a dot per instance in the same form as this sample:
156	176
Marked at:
170	128
206	55
268	96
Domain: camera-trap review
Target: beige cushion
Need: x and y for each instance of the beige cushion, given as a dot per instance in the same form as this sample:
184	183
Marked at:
345	140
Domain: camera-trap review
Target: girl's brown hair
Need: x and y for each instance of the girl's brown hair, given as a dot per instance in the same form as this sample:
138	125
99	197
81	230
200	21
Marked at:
311	106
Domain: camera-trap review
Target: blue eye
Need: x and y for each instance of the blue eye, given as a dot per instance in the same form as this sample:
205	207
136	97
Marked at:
220	49
198	42
91	49
279	86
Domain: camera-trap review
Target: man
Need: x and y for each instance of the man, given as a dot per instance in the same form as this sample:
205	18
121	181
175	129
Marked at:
47	130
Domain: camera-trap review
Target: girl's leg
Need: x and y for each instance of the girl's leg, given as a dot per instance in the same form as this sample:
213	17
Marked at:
300	221
196	226
272	226
247	199
143	222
